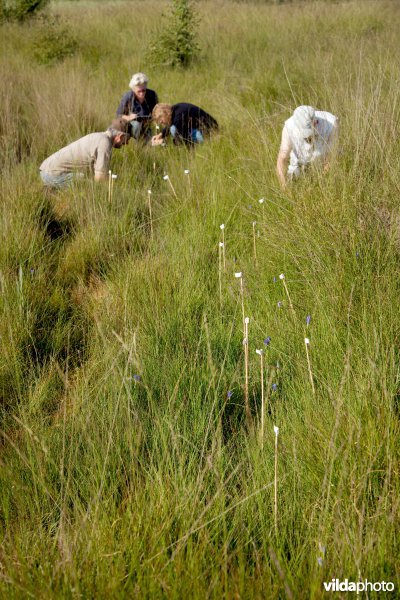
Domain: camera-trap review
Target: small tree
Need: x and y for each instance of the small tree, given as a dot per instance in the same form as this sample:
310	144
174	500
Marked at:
175	44
20	10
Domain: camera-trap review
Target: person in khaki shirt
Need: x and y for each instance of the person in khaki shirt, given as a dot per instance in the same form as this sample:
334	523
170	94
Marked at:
91	153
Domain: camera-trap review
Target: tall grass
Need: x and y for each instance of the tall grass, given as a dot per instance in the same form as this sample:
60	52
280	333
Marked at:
127	468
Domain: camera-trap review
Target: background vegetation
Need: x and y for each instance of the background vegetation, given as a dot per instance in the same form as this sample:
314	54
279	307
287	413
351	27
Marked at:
126	467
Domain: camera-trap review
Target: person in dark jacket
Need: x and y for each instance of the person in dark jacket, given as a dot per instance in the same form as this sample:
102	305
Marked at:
187	123
136	106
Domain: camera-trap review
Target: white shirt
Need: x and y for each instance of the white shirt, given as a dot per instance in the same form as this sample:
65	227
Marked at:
301	152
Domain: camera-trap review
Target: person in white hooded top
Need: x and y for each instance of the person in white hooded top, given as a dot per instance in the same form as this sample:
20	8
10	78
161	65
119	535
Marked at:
308	135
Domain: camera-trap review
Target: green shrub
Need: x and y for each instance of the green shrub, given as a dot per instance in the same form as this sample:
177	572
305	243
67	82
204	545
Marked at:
175	44
54	43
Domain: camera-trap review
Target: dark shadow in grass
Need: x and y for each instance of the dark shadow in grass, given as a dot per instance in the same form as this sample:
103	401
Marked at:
56	227
233	416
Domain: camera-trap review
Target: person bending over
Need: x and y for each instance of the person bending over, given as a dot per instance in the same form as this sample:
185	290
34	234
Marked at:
91	153
136	105
308	135
186	123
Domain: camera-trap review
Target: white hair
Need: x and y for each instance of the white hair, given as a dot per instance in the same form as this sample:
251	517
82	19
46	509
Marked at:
138	79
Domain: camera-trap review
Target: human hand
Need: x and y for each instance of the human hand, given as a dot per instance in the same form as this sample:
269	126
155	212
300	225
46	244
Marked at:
157	140
131	117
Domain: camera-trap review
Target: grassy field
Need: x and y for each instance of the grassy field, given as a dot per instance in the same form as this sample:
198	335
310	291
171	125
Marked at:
128	468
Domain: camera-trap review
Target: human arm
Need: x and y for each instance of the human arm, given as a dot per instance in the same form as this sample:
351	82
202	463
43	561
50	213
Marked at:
283	158
281	168
102	158
125	108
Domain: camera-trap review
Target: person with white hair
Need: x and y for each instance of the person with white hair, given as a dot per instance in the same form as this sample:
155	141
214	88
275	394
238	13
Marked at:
308	135
91	153
137	104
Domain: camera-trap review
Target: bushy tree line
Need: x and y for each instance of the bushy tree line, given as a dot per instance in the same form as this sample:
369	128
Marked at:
20	10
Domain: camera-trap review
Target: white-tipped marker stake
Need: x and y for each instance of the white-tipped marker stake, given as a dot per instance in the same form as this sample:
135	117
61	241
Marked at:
276	431
187	173
109	185
261	354
262	203
220	250
154	162
246	371
166	178
150	213
240	276
307	343
222	228
113	178
282	278
254	242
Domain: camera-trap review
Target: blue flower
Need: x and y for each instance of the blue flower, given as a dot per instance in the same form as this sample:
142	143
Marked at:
308	319
280	304
274	387
230	394
137	378
267	340
274	279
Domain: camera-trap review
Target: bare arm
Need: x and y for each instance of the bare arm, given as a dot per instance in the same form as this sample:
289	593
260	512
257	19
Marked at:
283	157
281	167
